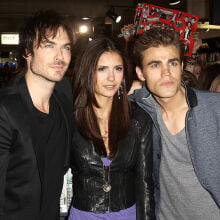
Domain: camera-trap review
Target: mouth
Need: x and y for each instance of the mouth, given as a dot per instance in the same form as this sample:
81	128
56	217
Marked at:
58	67
109	87
168	83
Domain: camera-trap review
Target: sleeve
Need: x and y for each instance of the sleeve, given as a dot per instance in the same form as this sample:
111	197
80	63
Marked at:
5	143
145	207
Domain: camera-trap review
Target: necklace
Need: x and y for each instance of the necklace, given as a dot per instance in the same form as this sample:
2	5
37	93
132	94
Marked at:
105	135
106	177
103	123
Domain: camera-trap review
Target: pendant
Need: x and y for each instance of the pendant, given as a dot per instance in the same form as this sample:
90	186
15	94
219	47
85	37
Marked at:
106	187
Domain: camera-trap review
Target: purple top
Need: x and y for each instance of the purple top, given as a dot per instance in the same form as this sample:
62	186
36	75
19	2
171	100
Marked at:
125	214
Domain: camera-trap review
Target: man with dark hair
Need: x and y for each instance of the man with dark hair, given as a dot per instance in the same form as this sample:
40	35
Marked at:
36	122
186	131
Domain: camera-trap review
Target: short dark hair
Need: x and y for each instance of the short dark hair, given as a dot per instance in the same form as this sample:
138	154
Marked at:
38	27
156	37
84	96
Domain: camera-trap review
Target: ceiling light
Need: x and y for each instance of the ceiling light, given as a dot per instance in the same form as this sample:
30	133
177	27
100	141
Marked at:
174	2
111	14
83	29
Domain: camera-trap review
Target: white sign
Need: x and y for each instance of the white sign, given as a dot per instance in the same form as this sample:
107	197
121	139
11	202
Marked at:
10	39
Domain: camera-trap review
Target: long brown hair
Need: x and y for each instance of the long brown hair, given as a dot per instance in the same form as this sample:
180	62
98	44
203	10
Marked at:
84	98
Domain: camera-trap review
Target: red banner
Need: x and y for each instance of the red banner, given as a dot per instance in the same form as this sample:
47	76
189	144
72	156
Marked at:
182	22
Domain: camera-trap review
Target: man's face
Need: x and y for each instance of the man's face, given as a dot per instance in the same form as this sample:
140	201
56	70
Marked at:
51	59
193	21
162	71
186	19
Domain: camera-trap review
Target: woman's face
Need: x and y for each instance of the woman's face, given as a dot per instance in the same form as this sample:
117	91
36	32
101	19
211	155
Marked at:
108	75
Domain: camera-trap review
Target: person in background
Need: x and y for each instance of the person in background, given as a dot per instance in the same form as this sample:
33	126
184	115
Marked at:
111	156
128	32
190	79
186	131
207	75
192	63
36	122
215	85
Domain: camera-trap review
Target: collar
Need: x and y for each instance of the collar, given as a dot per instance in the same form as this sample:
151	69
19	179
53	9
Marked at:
144	93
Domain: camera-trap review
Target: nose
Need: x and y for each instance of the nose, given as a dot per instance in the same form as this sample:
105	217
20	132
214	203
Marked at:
59	54
111	75
165	70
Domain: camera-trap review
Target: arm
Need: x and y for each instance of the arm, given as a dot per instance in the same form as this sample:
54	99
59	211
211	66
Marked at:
5	142
191	61
144	182
127	32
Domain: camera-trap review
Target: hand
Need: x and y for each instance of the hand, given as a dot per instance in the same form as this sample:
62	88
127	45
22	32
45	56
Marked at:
128	31
197	43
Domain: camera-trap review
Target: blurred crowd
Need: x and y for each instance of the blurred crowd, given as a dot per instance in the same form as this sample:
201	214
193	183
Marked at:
7	73
197	73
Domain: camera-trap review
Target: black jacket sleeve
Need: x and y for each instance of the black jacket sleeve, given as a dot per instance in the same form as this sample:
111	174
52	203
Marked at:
144	167
5	143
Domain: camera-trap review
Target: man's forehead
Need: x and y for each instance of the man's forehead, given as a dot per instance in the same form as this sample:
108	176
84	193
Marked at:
169	50
46	34
50	33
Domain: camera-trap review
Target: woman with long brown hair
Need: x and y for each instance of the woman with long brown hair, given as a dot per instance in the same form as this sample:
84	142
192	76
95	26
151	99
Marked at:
111	157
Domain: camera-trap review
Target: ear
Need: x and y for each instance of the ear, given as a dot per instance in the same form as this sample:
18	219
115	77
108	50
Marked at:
27	55
182	65
139	73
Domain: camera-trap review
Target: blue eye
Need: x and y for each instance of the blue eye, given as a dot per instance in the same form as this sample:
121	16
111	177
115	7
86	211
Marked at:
67	47
155	65
49	45
173	63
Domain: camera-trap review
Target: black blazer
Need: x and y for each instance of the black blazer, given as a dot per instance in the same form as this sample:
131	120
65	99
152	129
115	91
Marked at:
21	178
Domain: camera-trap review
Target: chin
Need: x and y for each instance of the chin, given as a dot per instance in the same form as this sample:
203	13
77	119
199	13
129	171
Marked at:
58	77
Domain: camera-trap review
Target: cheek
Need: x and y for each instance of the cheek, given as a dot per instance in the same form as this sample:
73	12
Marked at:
218	88
151	81
176	72
68	57
119	77
95	80
152	76
98	79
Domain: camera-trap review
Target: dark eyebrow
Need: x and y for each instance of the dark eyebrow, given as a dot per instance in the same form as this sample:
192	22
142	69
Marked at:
102	66
153	61
158	61
47	41
174	59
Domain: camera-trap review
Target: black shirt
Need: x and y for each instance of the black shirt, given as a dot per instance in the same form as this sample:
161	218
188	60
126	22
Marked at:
52	145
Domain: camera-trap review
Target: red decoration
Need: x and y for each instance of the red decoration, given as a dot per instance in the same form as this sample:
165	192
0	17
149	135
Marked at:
182	22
